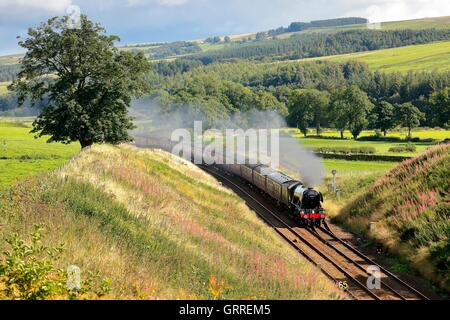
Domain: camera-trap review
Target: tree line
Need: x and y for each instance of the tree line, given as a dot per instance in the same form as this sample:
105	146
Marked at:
349	108
281	79
347	96
301	26
310	45
94	109
9	72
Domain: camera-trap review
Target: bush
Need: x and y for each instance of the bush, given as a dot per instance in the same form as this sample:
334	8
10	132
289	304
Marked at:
380	138
346	150
27	272
403	148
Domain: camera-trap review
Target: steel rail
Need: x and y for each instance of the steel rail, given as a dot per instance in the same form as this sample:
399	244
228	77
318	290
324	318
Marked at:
369	260
317	251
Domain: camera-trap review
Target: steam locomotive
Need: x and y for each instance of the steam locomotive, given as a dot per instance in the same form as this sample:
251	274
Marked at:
302	203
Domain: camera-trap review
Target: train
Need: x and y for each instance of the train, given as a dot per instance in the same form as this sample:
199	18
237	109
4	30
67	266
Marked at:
302	203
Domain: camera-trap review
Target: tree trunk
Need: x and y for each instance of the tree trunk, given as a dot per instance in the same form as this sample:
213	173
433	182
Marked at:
385	133
342	135
86	143
318	129
409	133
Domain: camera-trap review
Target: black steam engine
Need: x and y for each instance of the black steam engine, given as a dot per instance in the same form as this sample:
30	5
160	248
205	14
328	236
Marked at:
303	203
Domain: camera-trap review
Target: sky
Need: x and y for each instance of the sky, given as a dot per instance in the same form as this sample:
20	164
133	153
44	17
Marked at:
137	21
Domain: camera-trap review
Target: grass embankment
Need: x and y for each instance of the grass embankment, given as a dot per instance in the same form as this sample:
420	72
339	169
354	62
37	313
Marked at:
408	212
159	227
22	155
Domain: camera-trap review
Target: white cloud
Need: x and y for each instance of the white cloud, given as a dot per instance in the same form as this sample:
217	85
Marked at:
168	3
391	10
44	5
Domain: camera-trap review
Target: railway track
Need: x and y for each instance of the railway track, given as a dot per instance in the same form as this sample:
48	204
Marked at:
337	259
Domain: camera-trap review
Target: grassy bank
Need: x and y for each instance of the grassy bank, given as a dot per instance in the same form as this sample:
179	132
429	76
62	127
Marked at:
407	211
158	227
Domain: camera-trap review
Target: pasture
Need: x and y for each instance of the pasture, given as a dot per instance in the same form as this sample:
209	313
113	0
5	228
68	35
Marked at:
424	57
381	147
3	87
22	155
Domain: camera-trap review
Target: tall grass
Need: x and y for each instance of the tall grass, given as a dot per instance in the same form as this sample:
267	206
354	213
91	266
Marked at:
408	210
159	227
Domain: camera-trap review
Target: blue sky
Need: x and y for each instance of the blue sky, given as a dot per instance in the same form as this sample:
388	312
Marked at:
168	20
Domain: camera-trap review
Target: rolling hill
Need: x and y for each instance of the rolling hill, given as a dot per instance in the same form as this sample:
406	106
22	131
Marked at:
415	24
424	57
407	211
159	228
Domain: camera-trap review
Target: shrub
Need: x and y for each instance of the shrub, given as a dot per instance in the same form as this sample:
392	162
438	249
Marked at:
403	148
27	272
378	138
346	150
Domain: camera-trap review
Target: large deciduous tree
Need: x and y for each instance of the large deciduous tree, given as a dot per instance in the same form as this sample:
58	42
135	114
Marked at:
440	108
307	106
384	116
88	83
349	109
409	116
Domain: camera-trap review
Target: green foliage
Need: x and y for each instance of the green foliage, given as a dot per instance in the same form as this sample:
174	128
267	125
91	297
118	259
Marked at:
26	277
306	106
383	116
307	45
404	148
28	272
410	206
409	116
347	150
213	40
89	83
349	108
440	108
171	49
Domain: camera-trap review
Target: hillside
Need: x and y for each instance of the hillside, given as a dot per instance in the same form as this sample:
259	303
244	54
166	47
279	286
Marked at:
158	228
424	57
408	212
414	24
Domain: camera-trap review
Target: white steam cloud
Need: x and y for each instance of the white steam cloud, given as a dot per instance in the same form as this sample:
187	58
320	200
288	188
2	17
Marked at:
155	123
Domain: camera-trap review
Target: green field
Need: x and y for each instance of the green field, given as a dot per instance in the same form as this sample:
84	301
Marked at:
22	155
381	147
3	87
433	56
357	168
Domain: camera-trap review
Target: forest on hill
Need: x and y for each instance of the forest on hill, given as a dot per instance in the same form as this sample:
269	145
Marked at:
311	45
225	84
